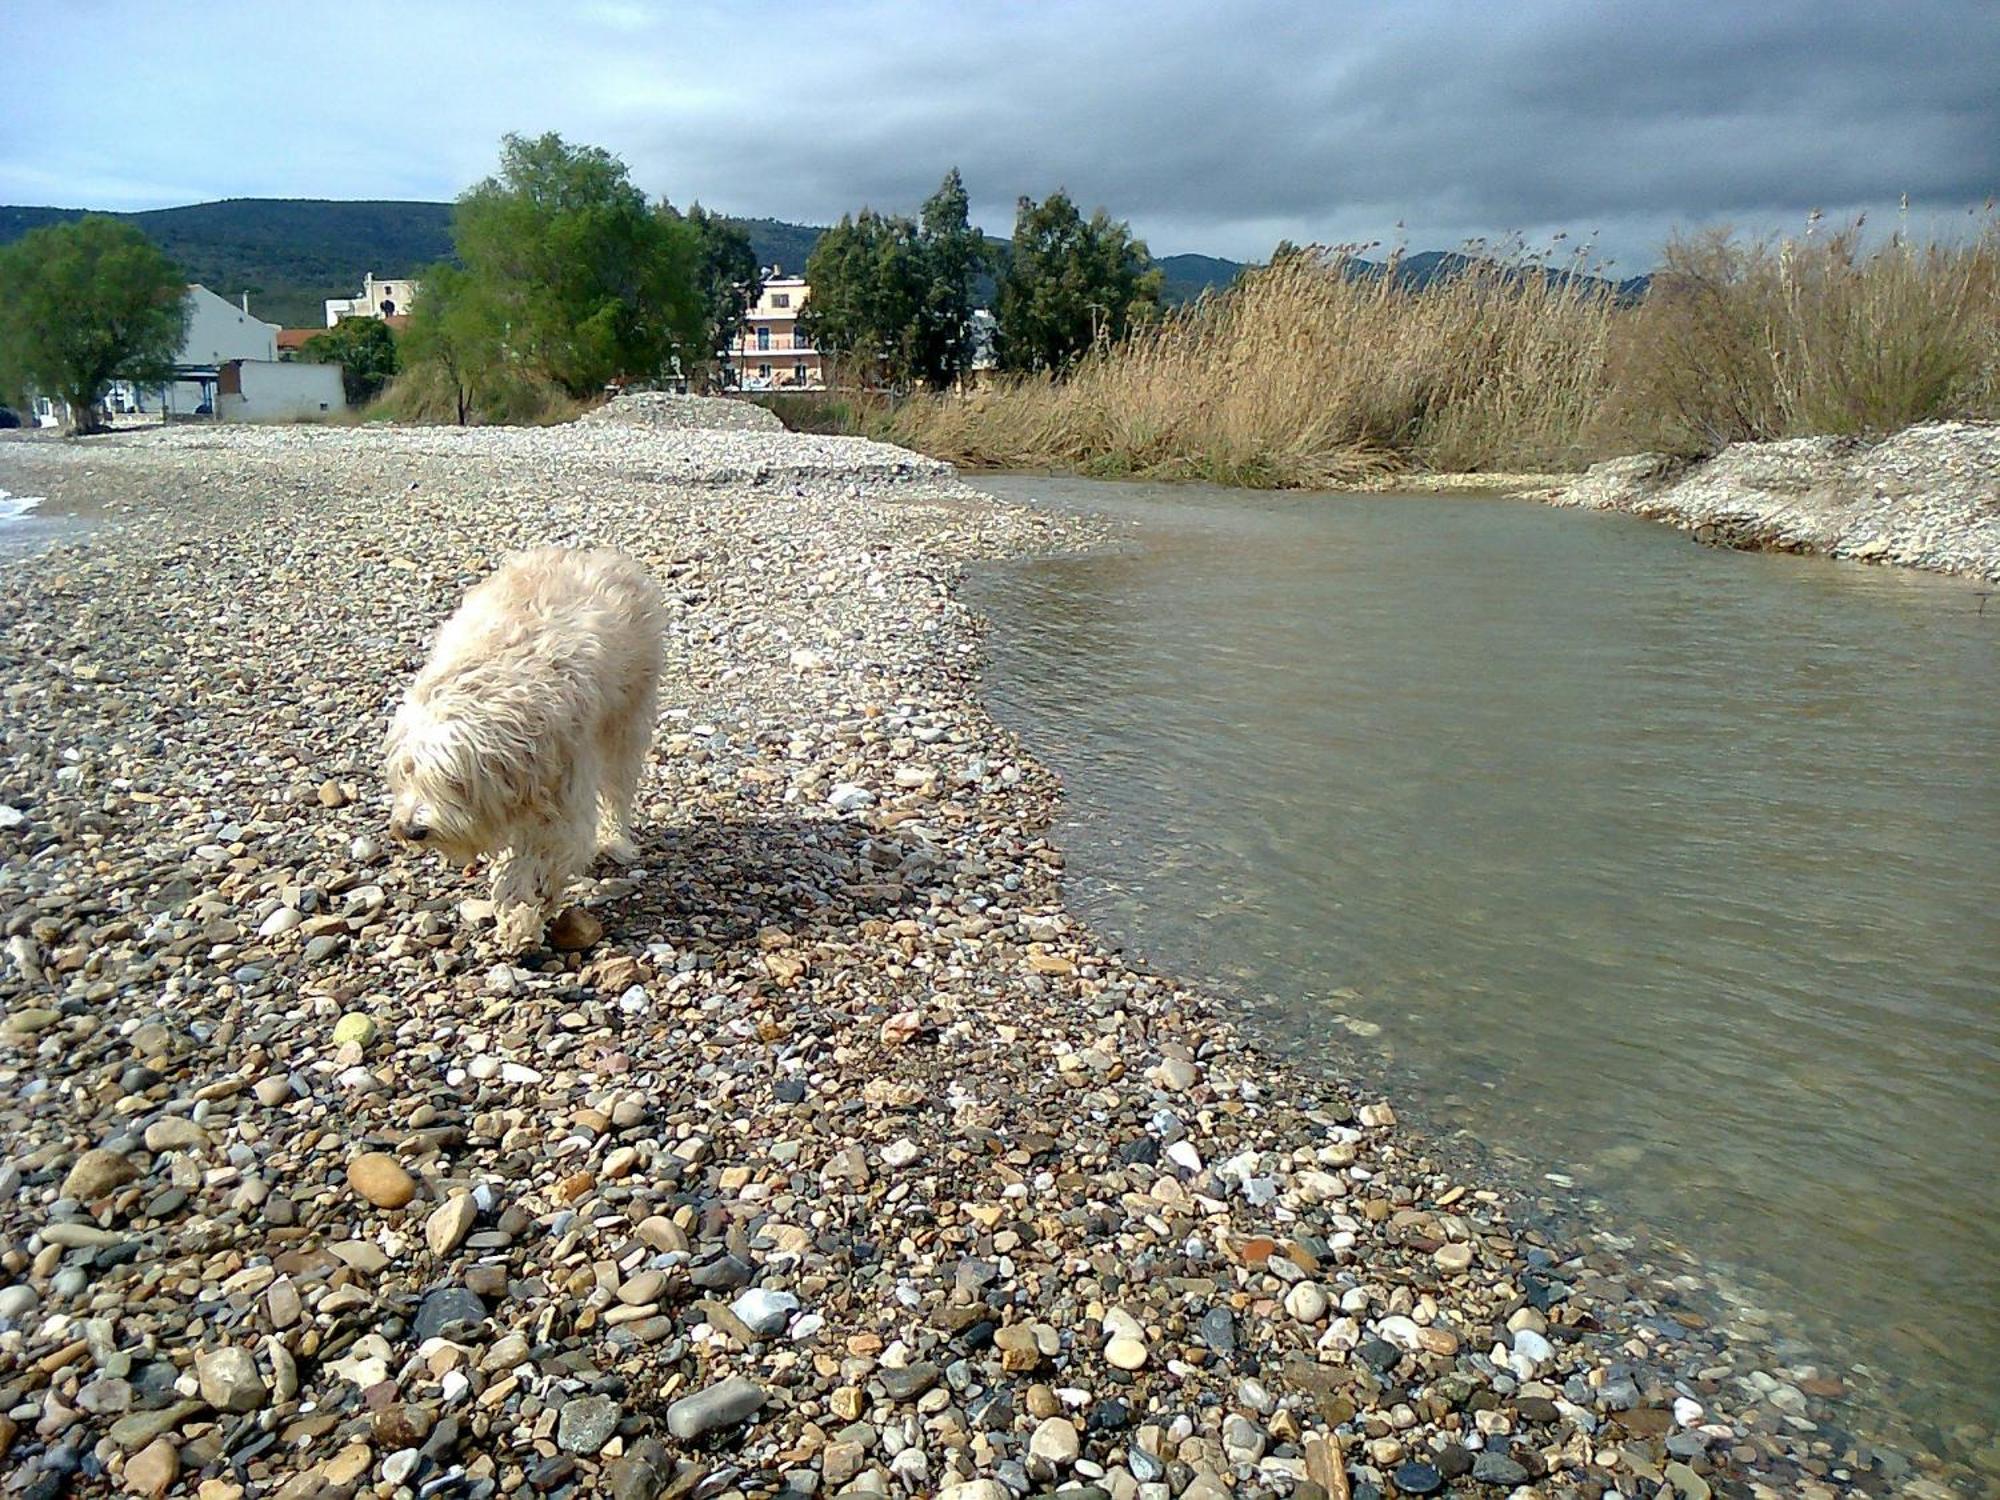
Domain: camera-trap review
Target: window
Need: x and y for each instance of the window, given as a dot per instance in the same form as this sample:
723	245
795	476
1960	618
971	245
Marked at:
781	299
763	372
763	339
799	373
799	339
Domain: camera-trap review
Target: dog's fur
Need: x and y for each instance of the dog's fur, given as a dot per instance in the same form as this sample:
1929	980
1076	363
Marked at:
525	734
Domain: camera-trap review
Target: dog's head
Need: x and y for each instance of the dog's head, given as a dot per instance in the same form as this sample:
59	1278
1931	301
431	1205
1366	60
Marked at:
436	784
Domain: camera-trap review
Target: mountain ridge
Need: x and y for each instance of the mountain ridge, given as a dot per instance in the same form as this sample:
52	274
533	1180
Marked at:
291	254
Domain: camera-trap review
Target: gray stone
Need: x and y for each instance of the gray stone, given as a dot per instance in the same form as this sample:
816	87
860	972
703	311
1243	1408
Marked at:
449	1307
908	1383
586	1424
723	1405
641	1472
1217	1329
1498	1468
764	1312
229	1380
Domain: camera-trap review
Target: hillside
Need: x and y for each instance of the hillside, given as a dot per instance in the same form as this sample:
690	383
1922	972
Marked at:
291	254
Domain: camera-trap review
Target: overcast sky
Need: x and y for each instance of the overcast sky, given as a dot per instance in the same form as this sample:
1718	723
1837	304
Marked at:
1217	127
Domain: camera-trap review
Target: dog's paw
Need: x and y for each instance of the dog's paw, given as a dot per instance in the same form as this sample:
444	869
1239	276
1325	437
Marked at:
618	849
518	928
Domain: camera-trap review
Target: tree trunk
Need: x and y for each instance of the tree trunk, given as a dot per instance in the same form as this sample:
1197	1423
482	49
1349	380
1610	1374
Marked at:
86	414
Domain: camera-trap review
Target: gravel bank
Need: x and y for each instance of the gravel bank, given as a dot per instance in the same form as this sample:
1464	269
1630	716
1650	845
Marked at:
1929	497
843	1162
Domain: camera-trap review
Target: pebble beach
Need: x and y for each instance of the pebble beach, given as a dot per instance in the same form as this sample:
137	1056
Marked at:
826	1153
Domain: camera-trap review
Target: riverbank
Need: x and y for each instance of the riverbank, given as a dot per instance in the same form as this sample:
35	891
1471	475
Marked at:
1928	497
846	1127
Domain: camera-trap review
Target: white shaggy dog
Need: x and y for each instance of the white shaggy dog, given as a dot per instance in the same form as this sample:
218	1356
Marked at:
526	732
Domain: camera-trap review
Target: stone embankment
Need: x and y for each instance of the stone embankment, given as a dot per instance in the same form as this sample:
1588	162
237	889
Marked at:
838	1159
1929	497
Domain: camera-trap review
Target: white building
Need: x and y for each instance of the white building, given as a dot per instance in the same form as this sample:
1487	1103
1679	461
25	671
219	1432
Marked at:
379	299
228	369
218	331
772	352
256	390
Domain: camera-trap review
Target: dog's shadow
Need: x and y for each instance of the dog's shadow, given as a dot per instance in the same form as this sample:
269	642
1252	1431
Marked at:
723	881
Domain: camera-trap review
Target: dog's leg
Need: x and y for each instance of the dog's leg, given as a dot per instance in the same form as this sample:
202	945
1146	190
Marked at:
622	755
519	907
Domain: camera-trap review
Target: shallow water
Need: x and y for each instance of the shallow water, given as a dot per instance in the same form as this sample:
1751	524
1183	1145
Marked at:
25	530
1670	870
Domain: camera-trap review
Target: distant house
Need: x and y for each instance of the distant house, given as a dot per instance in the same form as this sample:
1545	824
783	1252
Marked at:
218	331
390	300
258	390
228	369
292	342
771	352
985	338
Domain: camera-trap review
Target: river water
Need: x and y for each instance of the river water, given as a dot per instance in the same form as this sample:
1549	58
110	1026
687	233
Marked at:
1672	872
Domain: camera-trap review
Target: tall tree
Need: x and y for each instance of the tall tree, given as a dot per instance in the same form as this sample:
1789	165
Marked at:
953	253
365	350
892	296
866	293
83	304
1070	283
727	276
589	284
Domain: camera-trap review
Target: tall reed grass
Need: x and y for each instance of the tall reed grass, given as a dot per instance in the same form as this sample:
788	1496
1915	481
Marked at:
1764	340
1316	371
1311	371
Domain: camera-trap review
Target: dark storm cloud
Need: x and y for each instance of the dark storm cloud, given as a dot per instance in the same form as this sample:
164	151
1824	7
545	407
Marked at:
1215	127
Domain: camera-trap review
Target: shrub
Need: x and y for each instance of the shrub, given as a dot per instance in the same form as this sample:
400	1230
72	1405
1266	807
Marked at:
1759	340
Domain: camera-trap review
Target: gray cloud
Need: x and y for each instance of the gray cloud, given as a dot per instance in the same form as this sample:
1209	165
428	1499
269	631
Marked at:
1213	127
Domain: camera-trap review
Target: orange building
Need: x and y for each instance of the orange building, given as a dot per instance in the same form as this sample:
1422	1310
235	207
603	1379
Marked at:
771	353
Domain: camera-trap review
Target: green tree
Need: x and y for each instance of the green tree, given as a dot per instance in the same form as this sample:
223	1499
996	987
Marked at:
727	275
454	346
953	254
365	350
1069	283
83	304
892	296
866	291
587	283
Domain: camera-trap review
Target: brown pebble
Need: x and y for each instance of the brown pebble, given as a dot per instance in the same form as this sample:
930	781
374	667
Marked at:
574	930
380	1178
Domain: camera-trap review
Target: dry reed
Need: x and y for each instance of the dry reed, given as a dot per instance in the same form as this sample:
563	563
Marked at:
1314	370
1317	371
1753	341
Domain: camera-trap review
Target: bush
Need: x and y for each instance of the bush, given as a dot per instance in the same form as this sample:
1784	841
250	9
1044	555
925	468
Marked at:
832	413
1766	340
425	393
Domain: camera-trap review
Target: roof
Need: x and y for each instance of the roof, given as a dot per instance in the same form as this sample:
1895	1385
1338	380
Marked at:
296	338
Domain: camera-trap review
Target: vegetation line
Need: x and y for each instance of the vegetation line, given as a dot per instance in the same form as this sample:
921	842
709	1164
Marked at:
1320	371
